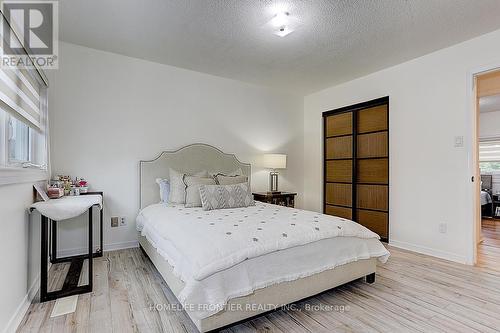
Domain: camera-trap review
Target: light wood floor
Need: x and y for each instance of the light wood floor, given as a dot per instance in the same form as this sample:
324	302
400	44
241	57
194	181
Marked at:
488	251
413	293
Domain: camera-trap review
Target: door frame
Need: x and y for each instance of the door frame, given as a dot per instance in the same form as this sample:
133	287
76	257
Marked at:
472	126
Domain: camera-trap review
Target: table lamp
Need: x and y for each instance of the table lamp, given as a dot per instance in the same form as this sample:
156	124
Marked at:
274	161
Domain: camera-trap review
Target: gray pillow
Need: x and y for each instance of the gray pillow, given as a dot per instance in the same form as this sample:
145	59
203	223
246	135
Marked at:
226	196
193	184
230	180
177	186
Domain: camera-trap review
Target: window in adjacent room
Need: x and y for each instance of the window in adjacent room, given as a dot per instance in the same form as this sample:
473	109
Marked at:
489	156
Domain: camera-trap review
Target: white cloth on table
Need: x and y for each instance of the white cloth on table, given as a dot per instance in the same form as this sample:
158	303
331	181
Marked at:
67	207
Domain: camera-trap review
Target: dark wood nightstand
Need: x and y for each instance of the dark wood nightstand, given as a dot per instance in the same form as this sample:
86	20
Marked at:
495	204
278	198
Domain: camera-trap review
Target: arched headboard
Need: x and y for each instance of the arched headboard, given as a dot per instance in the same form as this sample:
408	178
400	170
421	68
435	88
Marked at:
188	159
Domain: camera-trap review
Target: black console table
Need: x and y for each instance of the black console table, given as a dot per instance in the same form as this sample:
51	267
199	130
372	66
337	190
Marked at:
70	285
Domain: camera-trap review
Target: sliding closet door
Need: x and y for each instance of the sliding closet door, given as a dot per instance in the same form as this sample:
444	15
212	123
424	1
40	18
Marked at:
372	160
356	164
338	164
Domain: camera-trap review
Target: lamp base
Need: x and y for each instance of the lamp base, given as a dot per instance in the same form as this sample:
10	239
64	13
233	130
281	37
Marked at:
273	182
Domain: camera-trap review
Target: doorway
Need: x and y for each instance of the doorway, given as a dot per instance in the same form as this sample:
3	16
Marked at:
487	152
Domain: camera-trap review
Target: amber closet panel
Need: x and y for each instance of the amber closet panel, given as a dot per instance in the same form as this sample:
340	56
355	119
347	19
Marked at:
356	164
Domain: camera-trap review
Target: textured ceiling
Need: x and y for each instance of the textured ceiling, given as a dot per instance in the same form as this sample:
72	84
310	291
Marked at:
336	41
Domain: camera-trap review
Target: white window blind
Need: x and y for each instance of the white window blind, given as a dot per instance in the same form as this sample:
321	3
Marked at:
24	126
21	92
489	151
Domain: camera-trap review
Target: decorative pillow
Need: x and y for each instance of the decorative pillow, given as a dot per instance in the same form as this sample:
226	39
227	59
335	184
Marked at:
193	184
230	180
237	172
177	186
164	189
226	196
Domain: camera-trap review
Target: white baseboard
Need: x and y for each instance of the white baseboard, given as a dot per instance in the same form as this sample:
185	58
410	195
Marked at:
429	251
121	245
107	247
21	310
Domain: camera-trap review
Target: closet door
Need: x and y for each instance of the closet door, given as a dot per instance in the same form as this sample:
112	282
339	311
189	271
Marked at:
372	168
338	165
356	164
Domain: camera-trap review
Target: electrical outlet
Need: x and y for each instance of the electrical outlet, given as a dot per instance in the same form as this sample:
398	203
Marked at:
123	222
443	228
114	222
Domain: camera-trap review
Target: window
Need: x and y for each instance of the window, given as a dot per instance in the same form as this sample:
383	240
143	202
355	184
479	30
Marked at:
19	142
23	123
489	166
23	143
489	156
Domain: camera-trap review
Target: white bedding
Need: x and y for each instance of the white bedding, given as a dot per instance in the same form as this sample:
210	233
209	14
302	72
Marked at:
228	253
485	198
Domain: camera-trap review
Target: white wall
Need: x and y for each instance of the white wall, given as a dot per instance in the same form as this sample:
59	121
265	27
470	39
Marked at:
20	248
489	124
109	111
429	106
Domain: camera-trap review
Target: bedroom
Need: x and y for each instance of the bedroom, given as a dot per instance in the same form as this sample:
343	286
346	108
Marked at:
214	72
488	93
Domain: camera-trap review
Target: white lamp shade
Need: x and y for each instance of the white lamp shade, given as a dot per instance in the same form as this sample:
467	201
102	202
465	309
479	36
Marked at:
274	161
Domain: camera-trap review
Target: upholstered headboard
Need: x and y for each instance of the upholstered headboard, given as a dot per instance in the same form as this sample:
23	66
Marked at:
487	183
188	159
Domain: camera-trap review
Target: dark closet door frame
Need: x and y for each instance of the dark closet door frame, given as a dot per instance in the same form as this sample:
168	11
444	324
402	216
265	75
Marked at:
354	109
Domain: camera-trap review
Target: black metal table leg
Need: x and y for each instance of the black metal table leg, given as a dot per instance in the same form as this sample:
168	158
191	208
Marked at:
43	258
101	248
91	249
70	286
53	247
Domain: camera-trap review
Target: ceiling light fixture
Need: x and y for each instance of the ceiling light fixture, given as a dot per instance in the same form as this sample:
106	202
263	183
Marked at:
280	19
283	31
282	23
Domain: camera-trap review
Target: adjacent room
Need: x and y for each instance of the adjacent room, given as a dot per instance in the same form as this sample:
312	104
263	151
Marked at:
488	94
250	166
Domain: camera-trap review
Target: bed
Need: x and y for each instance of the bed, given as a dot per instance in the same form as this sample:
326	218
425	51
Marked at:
228	265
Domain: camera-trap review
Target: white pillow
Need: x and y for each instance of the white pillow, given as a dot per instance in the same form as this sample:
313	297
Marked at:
177	186
164	189
193	184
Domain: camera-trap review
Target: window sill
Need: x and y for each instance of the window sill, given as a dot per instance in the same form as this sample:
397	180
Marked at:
21	175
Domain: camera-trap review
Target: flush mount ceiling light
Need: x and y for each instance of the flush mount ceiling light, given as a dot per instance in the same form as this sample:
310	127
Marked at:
283	31
282	23
280	20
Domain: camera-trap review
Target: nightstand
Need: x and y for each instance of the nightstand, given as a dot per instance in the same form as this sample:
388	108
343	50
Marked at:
495	204
277	198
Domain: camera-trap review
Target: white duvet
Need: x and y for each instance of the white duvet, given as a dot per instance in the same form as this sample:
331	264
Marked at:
219	254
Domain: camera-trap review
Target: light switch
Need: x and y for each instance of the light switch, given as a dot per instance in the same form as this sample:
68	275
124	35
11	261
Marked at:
459	141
